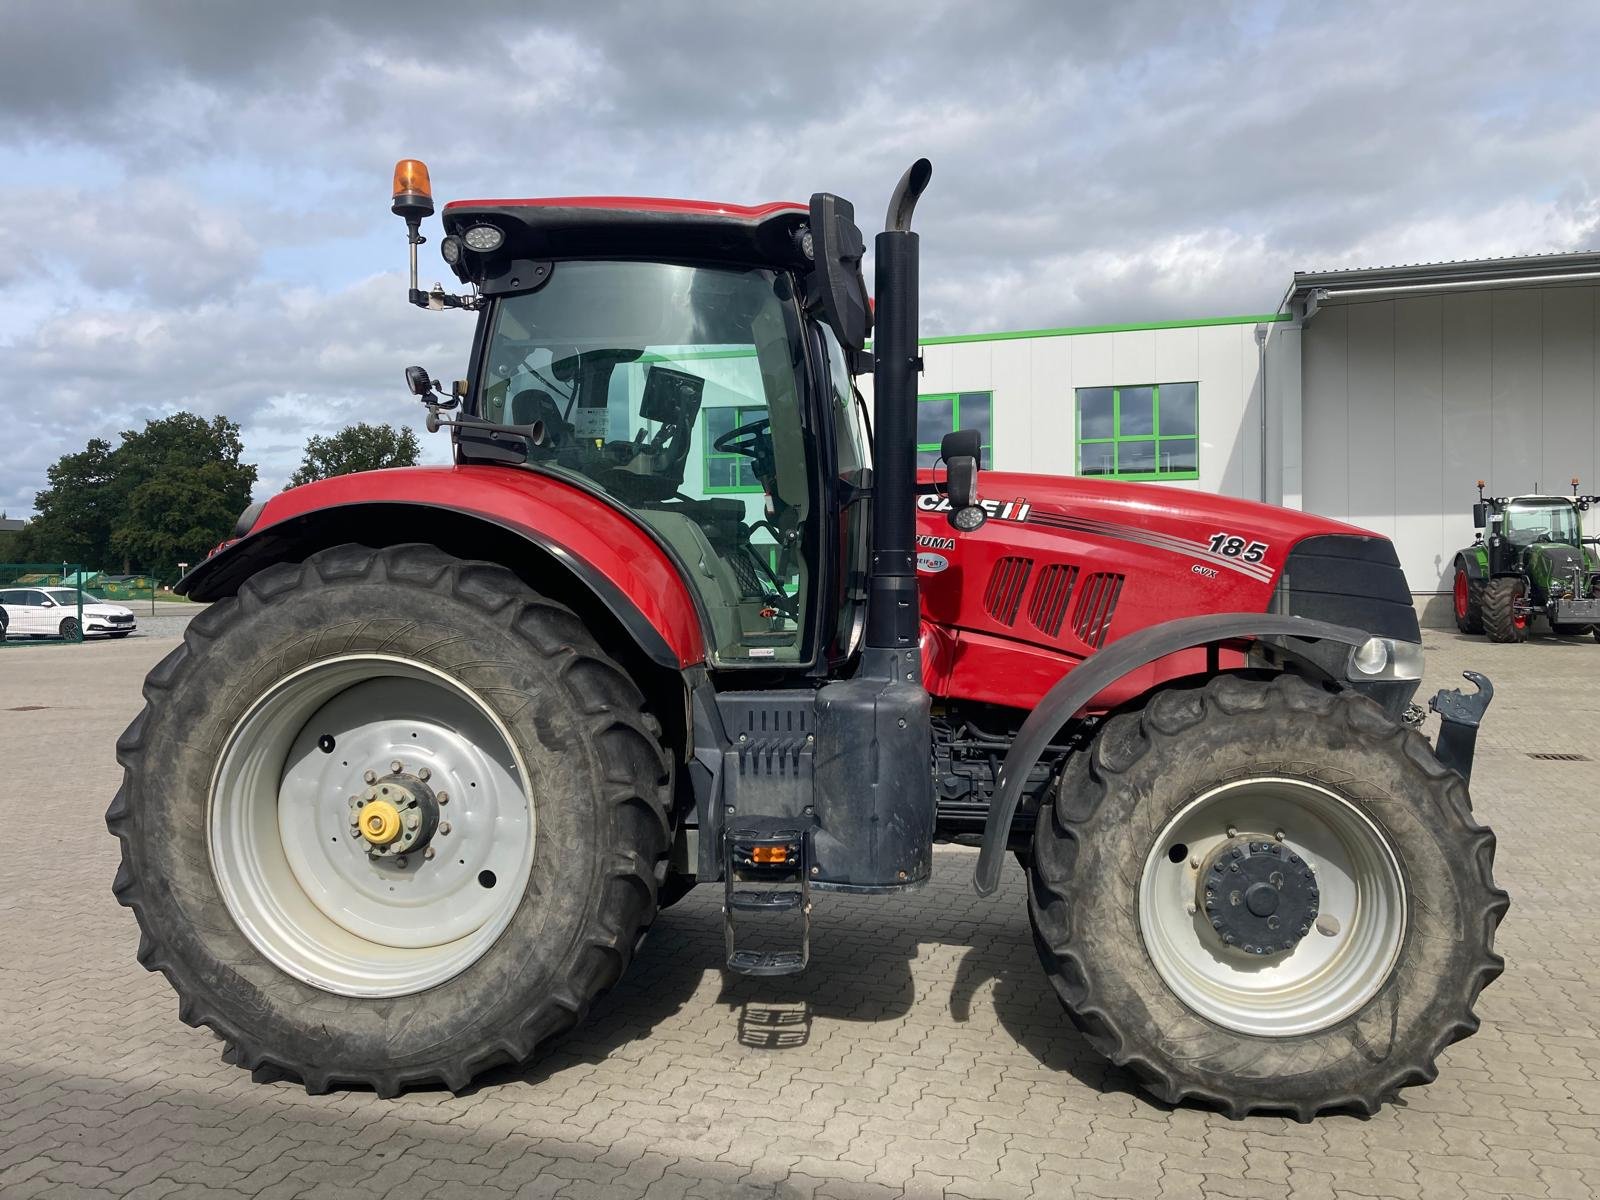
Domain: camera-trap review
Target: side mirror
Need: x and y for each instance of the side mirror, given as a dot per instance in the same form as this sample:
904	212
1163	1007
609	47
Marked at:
419	381
1480	515
962	451
836	280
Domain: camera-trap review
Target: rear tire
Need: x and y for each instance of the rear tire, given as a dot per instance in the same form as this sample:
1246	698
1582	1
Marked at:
1467	598
1100	854
598	790
1501	621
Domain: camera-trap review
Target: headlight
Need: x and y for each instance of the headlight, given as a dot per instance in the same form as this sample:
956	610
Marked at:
484	238
1385	658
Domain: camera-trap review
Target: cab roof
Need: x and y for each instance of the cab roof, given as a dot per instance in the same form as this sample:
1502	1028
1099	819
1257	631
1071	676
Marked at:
647	227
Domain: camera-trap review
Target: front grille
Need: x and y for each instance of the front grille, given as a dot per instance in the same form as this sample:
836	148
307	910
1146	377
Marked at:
121	619
1047	609
1003	597
1097	602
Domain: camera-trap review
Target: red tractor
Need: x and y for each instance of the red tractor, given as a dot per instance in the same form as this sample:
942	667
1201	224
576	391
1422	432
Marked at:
411	792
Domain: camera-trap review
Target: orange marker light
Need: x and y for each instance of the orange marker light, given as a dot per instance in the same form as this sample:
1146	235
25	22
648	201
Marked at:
413	191
769	856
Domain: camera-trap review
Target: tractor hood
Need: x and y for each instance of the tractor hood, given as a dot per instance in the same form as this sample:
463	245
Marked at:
1066	565
1556	561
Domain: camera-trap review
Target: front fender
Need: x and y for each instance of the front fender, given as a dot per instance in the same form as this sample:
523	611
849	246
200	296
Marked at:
1099	671
524	520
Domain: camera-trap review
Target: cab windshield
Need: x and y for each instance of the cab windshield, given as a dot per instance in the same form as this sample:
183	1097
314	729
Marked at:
678	391
1527	522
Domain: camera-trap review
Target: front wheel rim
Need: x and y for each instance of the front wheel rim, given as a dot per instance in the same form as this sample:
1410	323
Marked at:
296	874
1330	973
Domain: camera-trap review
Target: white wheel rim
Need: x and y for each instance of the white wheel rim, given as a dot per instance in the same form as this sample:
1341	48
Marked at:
1335	968
298	879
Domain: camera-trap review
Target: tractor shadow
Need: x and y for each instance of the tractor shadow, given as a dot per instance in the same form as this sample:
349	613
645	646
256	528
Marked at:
863	951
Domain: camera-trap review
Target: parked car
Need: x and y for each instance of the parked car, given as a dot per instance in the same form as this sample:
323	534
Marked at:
53	612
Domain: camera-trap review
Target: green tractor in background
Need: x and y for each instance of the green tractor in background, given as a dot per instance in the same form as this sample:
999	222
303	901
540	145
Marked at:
1530	559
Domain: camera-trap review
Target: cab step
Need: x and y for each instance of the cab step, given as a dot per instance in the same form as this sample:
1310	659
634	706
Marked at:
769	853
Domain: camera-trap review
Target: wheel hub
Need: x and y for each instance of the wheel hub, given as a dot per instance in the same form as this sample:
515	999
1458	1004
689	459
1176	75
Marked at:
396	814
1259	897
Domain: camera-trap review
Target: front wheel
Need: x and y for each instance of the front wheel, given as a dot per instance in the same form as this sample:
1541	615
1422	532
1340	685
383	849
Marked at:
1266	896
71	629
1504	618
389	818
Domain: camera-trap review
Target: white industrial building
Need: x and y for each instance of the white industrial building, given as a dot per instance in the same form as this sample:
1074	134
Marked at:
1388	393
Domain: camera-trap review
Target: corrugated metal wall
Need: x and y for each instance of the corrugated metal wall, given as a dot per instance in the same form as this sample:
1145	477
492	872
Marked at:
1407	401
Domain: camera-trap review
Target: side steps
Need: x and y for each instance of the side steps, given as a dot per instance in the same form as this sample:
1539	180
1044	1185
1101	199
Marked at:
770	853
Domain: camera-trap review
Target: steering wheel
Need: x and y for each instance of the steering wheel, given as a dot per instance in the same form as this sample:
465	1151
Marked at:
743	439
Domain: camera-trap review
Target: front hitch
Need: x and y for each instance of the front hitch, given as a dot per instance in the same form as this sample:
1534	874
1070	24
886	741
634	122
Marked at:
1460	714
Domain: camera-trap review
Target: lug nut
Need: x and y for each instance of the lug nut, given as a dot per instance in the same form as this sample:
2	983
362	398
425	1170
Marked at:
424	774
428	853
443	797
370	776
1233	831
444	828
395	767
1279	835
401	861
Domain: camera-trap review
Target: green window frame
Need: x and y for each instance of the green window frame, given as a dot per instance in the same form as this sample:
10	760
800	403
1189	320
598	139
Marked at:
736	467
1133	443
979	415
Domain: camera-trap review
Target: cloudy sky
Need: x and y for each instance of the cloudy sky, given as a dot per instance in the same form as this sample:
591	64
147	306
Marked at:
195	213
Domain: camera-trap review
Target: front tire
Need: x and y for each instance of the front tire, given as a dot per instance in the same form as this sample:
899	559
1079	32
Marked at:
71	629
1501	619
1360	1005
241	859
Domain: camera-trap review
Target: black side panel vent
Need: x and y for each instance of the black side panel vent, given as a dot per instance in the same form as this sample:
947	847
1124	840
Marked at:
1051	595
1003	598
1097	602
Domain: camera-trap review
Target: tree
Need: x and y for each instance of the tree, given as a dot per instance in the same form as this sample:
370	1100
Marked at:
75	512
169	493
359	447
180	485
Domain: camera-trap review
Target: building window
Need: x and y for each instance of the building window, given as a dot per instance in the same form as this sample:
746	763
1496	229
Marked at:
944	412
727	473
1143	432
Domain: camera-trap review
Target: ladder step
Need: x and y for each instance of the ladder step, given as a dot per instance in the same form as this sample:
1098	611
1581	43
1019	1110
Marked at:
751	901
767	962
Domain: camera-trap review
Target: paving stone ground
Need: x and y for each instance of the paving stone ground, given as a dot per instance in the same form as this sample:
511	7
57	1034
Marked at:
922	1055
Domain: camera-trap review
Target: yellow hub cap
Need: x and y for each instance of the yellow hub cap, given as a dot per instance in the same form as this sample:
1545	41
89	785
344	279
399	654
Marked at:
379	822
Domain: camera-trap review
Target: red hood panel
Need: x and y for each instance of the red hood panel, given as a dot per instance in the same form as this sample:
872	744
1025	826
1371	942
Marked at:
1067	565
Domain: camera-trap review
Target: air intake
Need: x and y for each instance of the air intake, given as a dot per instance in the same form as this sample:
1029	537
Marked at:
1051	595
1097	601
1003	597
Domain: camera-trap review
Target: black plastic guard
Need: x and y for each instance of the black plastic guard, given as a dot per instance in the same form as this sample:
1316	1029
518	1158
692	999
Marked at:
873	782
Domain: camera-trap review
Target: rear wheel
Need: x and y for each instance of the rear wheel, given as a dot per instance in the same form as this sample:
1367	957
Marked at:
1503	619
389	818
1468	598
1299	919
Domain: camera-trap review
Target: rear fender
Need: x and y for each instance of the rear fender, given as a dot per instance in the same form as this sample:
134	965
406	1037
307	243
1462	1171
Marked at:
562	541
1099	672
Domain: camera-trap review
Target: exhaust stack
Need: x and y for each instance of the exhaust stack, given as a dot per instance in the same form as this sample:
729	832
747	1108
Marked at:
893	615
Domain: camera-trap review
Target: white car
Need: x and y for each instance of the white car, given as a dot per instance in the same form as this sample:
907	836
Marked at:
53	612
